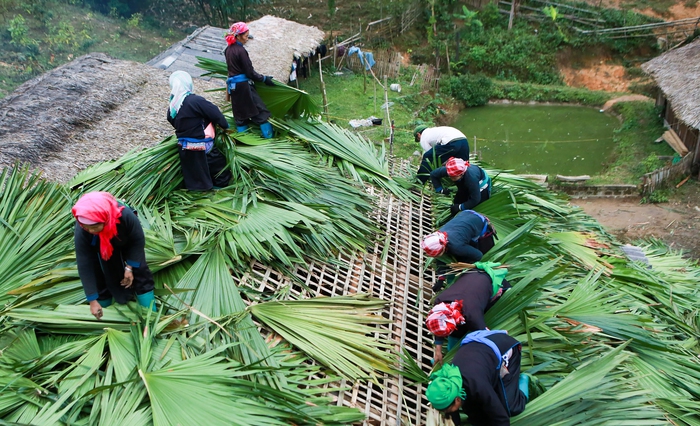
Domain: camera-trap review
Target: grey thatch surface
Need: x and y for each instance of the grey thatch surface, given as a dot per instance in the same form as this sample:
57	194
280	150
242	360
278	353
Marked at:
93	109
275	43
677	73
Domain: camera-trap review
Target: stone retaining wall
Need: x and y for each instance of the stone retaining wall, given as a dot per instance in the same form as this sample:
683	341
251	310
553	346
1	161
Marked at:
602	191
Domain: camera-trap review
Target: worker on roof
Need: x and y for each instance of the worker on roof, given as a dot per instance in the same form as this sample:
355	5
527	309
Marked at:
194	118
472	182
483	380
245	101
109	249
439	144
460	308
466	237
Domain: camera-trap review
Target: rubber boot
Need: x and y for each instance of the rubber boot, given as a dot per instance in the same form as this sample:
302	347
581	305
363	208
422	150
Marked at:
523	385
147	300
266	129
241	129
105	302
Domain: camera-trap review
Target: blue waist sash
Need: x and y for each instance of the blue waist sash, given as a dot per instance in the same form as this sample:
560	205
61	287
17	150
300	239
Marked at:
194	144
231	81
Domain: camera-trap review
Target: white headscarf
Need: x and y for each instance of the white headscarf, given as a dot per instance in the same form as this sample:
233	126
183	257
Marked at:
180	86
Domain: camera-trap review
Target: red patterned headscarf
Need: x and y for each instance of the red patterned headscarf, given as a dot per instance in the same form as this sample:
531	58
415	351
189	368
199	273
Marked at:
444	318
456	166
434	244
236	29
100	207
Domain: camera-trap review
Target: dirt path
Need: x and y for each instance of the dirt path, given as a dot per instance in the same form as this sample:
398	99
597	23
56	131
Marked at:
677	222
626	98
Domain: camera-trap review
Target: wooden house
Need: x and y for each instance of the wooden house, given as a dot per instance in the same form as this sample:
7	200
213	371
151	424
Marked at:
677	74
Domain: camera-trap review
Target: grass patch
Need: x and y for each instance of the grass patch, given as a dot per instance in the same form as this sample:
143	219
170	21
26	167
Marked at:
348	100
635	152
37	40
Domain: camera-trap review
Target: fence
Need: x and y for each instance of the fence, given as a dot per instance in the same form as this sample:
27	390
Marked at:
653	180
389	63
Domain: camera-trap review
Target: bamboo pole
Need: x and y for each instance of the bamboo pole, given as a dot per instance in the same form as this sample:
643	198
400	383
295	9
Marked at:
323	89
386	104
512	15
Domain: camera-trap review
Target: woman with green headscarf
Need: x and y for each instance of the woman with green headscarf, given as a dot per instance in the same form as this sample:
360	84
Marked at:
483	380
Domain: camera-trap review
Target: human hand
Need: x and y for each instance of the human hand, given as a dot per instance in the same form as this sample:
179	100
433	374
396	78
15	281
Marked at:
128	278
445	191
454	209
268	80
437	356
96	309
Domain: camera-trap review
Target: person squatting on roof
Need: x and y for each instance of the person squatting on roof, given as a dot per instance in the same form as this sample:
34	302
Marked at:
472	182
460	308
439	144
109	249
245	101
466	237
193	117
483	380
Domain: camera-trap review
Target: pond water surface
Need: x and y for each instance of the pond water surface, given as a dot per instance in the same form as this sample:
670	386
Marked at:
544	139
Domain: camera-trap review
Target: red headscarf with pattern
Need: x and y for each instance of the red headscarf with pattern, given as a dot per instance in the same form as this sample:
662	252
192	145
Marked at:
236	29
456	166
444	318
100	207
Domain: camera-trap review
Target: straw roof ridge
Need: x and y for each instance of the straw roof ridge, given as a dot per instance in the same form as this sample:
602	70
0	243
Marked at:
677	73
276	41
93	109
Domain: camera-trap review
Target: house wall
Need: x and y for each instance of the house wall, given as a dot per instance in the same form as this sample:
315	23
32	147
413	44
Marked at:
688	135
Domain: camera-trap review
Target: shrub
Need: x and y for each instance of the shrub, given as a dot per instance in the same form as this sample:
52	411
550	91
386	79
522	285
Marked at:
471	89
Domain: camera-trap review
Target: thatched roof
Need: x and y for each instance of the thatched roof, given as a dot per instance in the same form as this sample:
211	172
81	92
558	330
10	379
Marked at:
677	73
93	109
275	43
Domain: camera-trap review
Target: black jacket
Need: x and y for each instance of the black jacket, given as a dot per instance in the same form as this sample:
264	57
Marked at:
238	62
128	245
194	116
486	403
475	289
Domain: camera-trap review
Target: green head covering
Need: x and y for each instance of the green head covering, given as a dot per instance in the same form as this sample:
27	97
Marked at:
497	275
446	385
419	129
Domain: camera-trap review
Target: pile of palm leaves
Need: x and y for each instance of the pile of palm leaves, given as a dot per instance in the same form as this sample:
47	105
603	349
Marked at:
288	204
612	341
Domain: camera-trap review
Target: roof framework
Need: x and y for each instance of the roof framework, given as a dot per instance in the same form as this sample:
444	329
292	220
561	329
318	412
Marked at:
391	270
276	42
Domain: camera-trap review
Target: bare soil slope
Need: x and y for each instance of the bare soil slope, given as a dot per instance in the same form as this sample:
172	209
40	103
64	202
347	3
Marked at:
677	222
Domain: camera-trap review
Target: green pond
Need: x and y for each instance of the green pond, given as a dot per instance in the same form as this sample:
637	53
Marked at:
542	139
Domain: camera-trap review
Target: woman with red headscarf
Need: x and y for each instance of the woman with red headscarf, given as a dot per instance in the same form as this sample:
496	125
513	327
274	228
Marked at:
245	101
109	249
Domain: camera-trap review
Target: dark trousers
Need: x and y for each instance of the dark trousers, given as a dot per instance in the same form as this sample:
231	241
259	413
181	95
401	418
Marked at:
108	282
202	171
439	154
263	113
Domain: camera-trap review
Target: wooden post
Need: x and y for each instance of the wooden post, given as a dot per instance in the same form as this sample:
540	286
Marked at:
364	72
374	83
447	55
512	14
388	117
323	89
335	53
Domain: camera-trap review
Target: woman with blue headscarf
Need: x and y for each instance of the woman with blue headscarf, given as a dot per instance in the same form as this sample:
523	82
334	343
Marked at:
194	118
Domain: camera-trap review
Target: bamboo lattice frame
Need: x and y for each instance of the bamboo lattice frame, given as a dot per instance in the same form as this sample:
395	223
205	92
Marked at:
391	270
